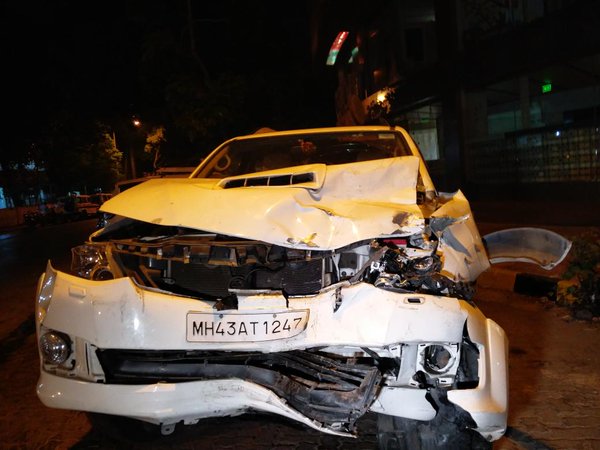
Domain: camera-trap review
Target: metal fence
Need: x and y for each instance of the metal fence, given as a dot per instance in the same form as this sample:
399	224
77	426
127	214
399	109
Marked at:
542	156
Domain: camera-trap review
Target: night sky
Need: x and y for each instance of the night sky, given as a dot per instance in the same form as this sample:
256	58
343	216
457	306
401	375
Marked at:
108	60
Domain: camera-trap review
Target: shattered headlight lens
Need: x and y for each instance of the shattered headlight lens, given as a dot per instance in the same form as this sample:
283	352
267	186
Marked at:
89	261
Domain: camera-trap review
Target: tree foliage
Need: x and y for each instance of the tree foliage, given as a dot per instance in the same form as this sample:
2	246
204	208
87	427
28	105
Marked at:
154	141
196	109
199	72
20	176
580	287
80	154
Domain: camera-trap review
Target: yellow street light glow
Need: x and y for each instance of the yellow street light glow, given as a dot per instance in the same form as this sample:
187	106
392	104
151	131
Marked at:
381	97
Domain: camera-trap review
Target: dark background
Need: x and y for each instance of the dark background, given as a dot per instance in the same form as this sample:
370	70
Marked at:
206	71
464	75
107	58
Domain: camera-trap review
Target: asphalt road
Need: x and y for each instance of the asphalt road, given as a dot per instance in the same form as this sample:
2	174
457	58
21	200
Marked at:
554	389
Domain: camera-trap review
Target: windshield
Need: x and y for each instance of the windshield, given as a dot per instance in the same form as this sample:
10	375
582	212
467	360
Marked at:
259	154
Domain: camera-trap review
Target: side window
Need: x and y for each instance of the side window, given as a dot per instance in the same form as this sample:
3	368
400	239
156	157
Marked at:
217	166
223	163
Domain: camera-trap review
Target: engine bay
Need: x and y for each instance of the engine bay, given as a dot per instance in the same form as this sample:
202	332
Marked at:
213	266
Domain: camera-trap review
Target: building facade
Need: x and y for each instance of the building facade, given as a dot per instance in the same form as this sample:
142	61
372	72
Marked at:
503	97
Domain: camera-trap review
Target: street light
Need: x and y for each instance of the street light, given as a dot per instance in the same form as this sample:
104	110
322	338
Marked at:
136	123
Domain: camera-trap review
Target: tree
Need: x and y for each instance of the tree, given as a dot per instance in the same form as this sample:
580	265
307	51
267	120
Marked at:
154	140
80	154
21	177
105	167
258	75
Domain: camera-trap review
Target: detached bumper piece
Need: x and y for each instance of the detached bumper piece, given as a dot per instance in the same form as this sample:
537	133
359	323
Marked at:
334	392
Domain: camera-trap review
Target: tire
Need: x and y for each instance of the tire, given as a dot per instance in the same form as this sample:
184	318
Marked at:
398	433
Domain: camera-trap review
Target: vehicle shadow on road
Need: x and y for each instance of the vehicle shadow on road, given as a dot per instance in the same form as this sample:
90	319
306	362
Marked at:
248	431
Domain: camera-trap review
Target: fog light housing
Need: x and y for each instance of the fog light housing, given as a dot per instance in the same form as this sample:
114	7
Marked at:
438	359
55	347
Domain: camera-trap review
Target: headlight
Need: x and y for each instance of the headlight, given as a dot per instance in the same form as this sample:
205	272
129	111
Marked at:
89	261
102	273
426	266
423	264
55	347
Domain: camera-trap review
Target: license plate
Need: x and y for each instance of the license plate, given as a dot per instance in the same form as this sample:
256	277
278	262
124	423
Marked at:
233	327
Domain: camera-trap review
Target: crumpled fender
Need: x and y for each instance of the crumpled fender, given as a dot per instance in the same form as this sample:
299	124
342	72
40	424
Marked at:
464	252
539	246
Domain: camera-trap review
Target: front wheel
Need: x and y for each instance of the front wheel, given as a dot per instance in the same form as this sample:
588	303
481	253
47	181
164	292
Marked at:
398	433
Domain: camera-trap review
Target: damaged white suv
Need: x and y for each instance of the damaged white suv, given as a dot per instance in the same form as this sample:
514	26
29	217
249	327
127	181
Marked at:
315	274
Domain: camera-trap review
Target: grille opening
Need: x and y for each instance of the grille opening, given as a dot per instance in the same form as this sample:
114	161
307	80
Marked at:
329	389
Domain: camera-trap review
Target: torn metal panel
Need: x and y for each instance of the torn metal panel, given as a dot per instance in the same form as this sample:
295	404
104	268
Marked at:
465	257
533	245
167	403
353	204
330	391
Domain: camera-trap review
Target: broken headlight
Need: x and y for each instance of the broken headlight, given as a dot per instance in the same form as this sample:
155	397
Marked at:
413	265
396	270
89	261
425	265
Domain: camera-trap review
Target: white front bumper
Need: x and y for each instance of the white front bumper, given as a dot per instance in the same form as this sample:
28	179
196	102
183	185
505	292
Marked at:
118	314
167	403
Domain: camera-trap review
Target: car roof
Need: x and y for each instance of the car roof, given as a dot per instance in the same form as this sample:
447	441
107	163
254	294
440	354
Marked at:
262	133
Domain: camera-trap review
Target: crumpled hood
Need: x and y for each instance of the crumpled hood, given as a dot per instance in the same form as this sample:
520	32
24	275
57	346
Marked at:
352	202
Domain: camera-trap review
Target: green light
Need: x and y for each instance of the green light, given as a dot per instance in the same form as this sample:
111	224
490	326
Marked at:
546	87
332	57
353	55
